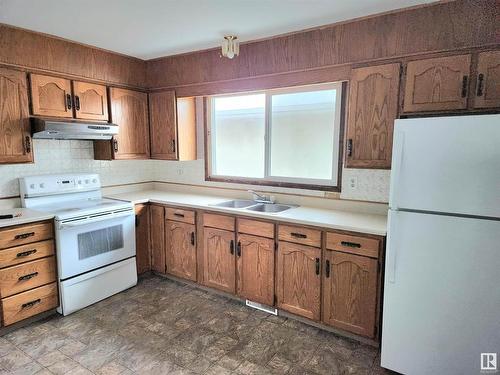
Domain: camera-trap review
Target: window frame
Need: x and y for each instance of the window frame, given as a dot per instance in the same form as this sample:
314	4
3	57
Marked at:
279	181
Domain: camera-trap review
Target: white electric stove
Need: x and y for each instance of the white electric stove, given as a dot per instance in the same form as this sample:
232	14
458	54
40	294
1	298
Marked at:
95	236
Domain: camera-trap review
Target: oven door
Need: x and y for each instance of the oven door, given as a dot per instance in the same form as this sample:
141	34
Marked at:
95	241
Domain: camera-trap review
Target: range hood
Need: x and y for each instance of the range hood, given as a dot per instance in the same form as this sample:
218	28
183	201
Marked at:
57	129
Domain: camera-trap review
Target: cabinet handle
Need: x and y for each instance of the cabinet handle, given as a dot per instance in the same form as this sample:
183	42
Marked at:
465	79
31	303
349	147
327	269
24	235
350	244
178	214
231	247
68	101
27	144
317	266
23	254
298	235
173	145
77	103
115	145
192	238
238	249
28	276
480	79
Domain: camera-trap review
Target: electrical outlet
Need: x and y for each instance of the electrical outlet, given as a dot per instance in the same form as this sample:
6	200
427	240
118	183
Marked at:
353	183
180	171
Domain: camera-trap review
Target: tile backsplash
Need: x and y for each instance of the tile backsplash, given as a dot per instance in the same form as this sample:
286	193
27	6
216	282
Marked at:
59	156
62	156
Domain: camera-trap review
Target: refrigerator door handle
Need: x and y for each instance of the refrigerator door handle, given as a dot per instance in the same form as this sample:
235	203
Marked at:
397	161
392	248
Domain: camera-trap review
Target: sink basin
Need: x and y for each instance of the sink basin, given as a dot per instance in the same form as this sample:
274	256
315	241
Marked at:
272	208
237	203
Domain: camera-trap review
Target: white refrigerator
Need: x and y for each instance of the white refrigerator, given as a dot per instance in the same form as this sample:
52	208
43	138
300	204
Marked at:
441	306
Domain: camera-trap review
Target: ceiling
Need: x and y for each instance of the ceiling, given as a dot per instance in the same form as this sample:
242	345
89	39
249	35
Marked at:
154	28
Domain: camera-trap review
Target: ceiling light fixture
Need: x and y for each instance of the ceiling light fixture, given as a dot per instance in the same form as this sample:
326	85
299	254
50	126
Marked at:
230	46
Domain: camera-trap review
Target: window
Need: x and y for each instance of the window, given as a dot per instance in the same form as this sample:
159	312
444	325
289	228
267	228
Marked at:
285	137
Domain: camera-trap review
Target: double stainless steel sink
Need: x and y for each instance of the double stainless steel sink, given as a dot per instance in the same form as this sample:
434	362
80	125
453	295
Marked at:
254	206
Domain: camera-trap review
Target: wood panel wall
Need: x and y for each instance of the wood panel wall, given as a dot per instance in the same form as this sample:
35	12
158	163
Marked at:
35	51
440	27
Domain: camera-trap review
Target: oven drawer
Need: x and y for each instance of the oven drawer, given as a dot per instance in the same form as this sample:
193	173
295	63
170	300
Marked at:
23	234
26	276
300	235
26	253
30	303
176	214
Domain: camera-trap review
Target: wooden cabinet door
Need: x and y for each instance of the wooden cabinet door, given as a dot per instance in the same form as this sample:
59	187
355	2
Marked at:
129	110
488	80
15	138
298	279
350	292
255	268
142	246
373	107
181	250
438	84
157	225
219	264
163	122
91	101
51	96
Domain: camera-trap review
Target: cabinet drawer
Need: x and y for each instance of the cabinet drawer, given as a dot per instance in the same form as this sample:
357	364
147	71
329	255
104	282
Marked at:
353	244
26	276
22	234
176	214
218	221
26	253
30	303
301	235
255	227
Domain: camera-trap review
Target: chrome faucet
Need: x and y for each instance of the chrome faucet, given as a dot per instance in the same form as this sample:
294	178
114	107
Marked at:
261	198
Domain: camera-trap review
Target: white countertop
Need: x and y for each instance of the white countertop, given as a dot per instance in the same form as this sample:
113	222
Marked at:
341	220
23	216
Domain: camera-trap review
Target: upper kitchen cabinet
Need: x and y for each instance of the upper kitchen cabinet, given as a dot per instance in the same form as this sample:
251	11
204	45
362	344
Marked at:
15	139
438	84
172	126
129	110
91	101
51	96
373	107
58	97
488	80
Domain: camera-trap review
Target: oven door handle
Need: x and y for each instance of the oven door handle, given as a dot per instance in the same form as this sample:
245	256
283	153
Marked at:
95	219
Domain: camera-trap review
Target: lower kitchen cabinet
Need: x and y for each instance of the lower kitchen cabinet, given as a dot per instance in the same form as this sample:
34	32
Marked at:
219	263
157	233
298	279
181	249
255	268
142	244
350	292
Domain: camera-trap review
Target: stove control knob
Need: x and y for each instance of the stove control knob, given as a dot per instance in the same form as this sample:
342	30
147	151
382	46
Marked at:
32	186
79	182
42	185
94	180
86	181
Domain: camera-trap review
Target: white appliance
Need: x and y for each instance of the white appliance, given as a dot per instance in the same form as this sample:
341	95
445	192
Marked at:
442	278
95	236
